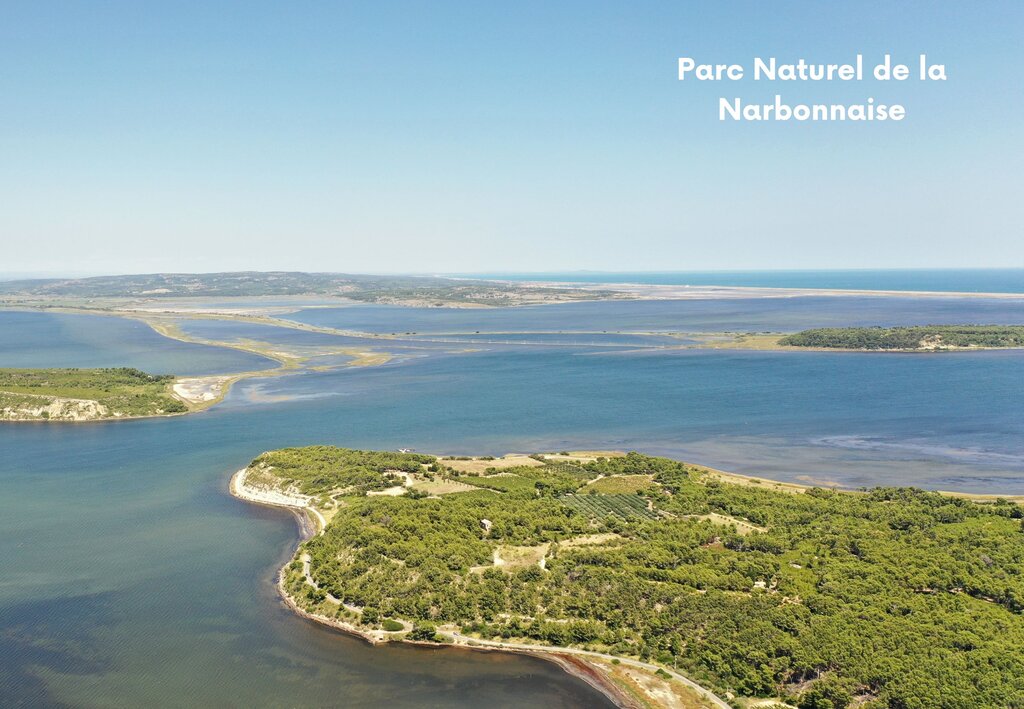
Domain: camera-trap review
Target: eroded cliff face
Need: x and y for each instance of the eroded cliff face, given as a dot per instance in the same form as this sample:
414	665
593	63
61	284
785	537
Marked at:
53	408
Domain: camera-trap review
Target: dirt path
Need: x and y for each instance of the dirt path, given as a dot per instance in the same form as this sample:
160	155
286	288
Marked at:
546	649
297	502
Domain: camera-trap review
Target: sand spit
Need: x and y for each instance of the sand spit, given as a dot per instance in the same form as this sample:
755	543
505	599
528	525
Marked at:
201	390
652	291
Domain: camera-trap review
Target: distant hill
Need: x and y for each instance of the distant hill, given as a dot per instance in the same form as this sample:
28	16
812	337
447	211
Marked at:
419	290
213	284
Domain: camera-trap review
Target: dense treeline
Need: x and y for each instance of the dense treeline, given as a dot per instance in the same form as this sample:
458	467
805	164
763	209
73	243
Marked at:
908	338
124	391
892	598
104	379
320	469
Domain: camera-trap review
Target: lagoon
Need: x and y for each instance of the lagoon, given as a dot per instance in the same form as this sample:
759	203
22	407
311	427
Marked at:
132	578
697	315
38	339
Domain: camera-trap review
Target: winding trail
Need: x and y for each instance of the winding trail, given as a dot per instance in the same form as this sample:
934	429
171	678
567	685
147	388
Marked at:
313	523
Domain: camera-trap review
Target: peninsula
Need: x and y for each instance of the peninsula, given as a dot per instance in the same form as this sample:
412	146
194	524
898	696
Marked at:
915	338
677	584
94	394
918	338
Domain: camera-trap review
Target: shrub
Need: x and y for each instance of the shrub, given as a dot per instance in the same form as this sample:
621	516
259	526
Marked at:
424	631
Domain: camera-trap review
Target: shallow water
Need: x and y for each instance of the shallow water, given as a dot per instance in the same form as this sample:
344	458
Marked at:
34	339
966	280
131	577
704	315
945	421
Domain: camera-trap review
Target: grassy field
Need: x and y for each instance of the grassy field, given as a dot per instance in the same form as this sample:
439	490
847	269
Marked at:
604	506
85	393
468	464
621	484
559	477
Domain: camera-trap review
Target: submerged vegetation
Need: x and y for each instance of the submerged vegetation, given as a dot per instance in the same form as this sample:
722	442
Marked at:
893	597
923	337
81	394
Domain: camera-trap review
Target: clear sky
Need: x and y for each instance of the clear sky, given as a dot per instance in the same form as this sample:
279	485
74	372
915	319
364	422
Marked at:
478	136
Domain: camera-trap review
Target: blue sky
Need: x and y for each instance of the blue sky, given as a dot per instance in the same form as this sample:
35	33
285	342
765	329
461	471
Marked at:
425	137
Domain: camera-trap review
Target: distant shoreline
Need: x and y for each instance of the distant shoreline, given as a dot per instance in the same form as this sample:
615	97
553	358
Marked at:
662	291
449	292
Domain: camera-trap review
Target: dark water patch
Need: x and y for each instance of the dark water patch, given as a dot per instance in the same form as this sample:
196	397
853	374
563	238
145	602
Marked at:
31	644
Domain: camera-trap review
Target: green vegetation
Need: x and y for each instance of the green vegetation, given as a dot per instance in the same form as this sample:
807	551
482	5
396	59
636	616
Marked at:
925	337
97	393
621	484
320	469
548	479
891	598
603	506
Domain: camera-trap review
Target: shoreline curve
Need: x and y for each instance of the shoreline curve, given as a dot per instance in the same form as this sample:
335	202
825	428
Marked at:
570	660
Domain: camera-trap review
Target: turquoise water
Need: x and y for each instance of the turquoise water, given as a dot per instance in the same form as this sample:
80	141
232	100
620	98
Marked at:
992	280
131	578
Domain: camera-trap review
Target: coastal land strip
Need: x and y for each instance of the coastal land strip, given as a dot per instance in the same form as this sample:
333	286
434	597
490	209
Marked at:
112	393
418	291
